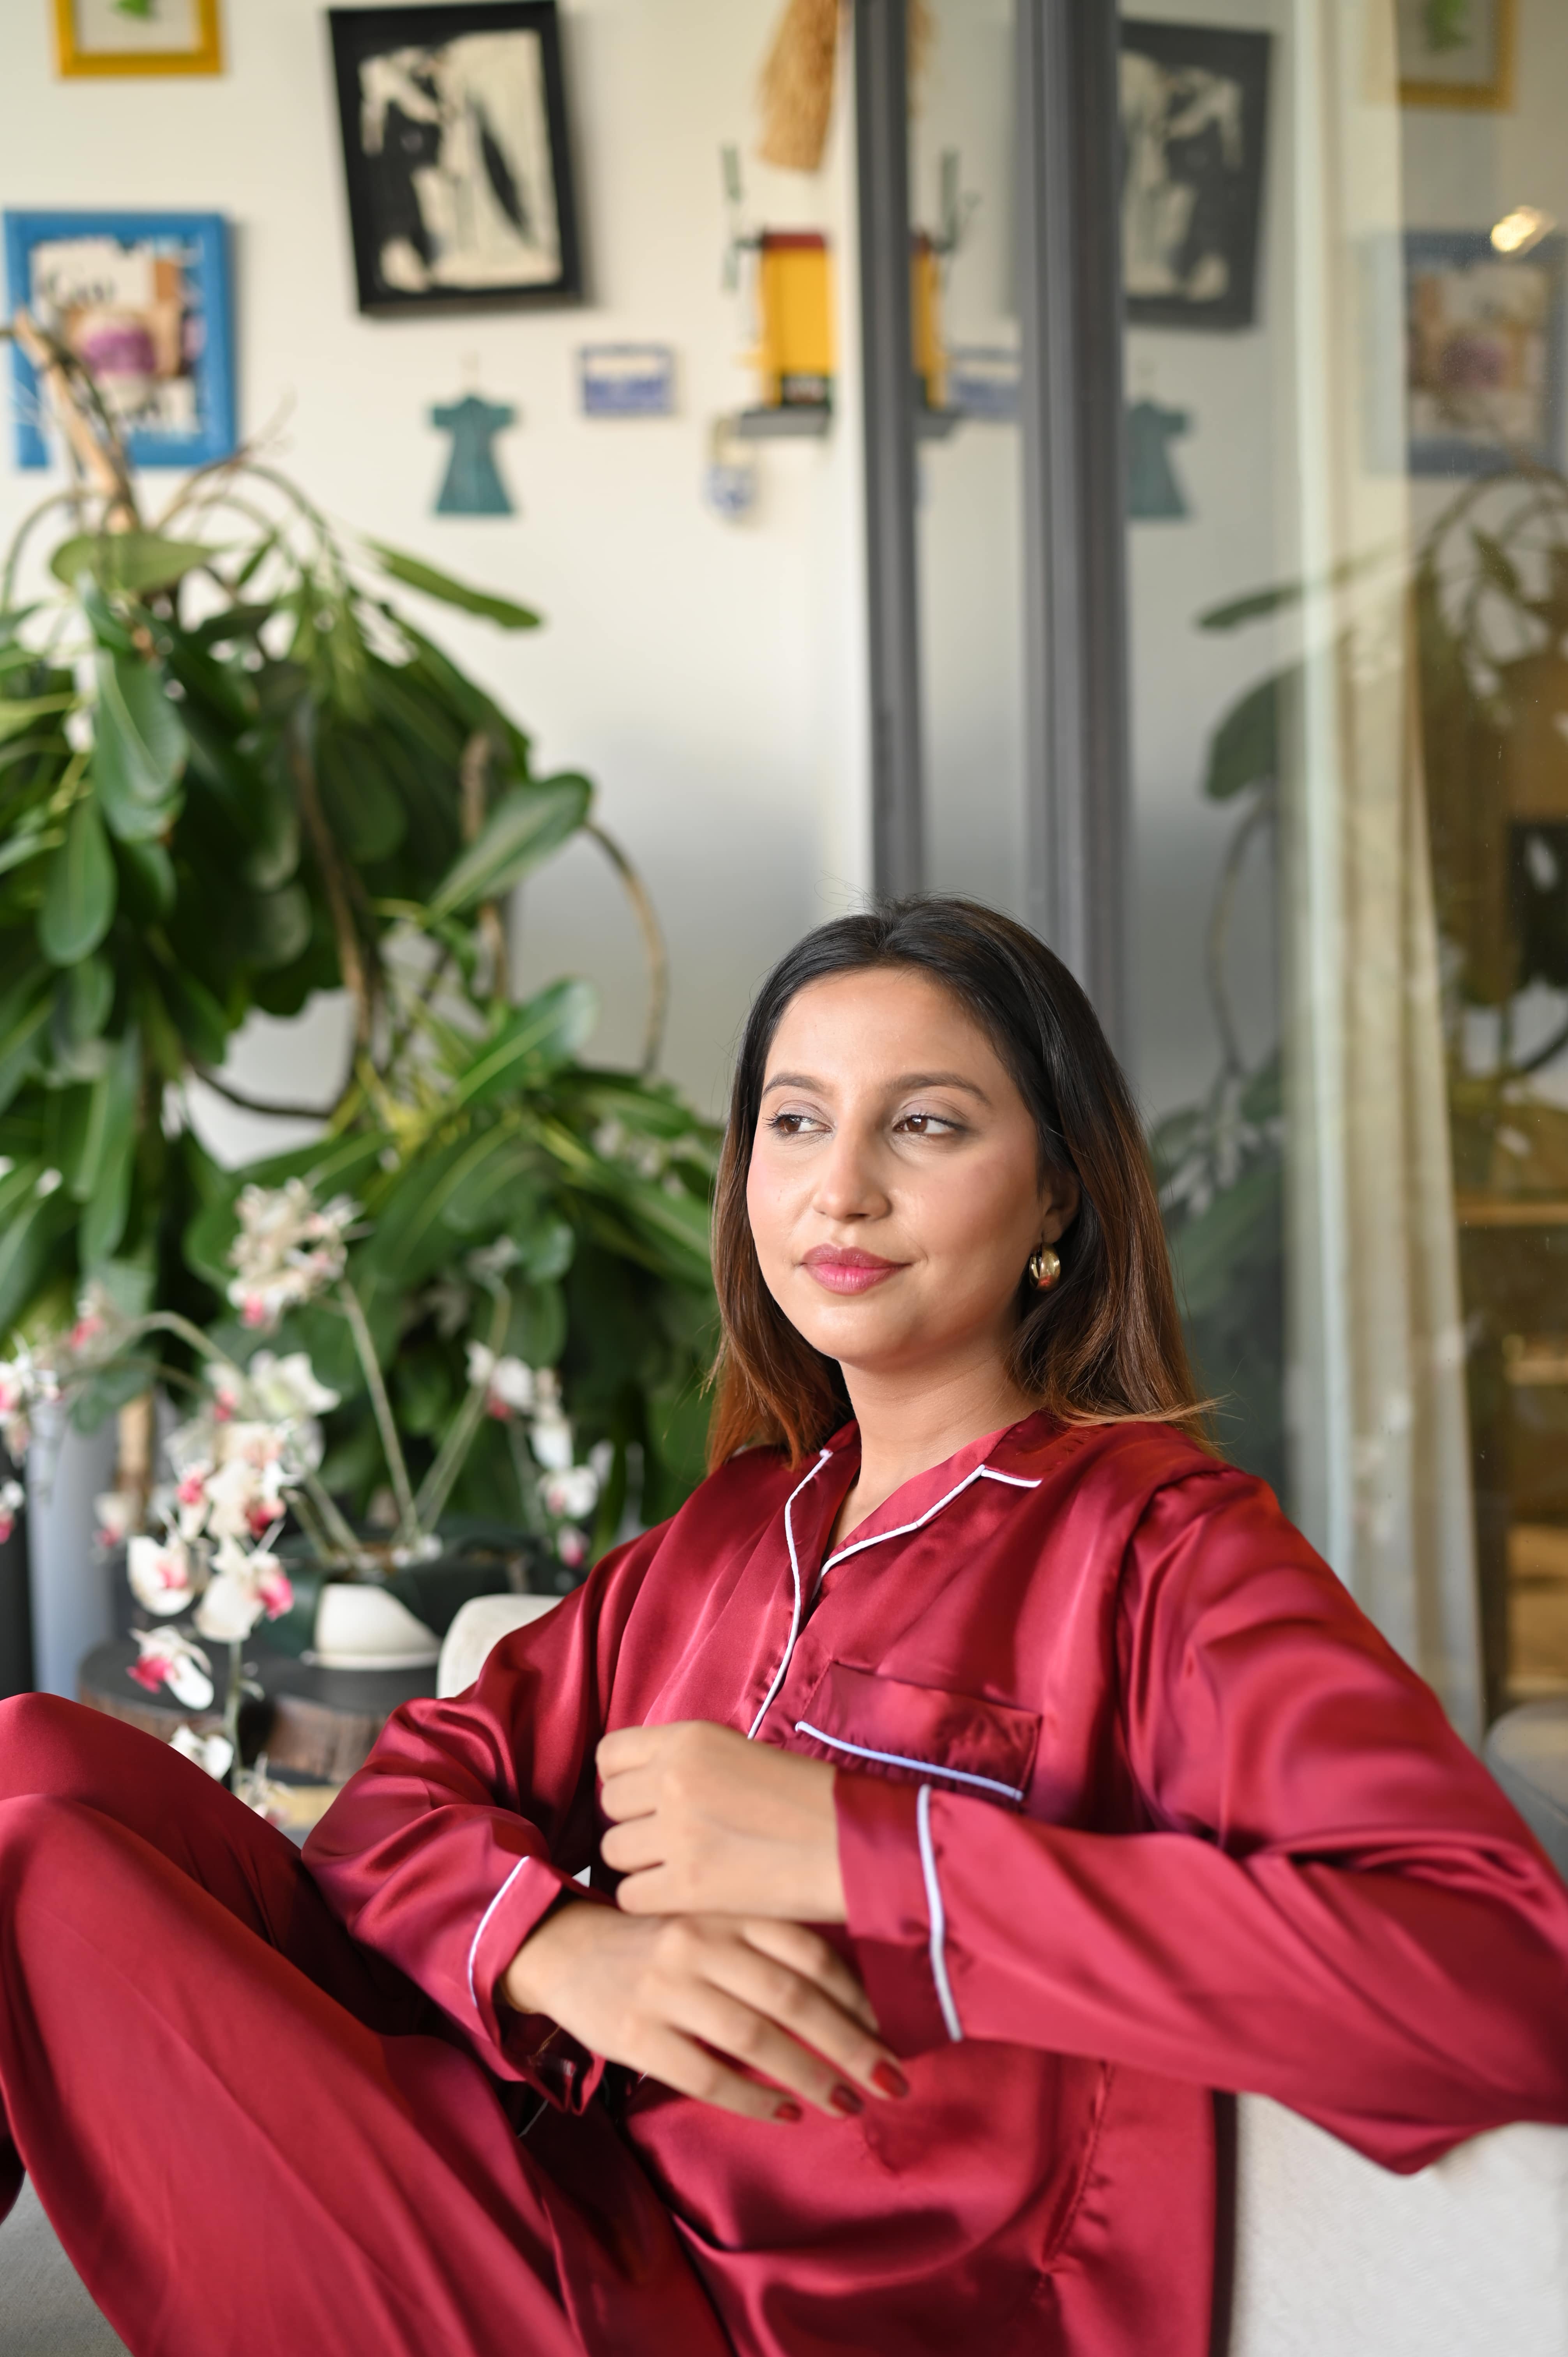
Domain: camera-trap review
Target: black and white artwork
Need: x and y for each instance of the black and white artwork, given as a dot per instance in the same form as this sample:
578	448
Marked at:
454	145
1194	115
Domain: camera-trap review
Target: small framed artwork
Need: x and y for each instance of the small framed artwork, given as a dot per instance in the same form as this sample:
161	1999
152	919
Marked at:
453	123
138	37
1455	52
143	299
627	379
1484	336
1194	120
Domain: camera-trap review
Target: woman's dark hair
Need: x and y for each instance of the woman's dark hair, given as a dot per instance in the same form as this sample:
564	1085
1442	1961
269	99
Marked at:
1104	1343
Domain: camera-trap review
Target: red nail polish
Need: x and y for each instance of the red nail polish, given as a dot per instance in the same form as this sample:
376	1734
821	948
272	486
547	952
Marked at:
845	2101
788	2111
890	2081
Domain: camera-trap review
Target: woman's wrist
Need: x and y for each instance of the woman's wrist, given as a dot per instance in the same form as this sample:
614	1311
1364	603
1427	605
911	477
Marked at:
526	1984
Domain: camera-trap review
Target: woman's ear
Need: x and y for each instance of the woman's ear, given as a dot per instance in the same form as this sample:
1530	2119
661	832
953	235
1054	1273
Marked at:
1059	1199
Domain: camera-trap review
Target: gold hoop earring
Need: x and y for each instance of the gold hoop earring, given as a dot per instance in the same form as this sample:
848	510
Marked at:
1044	1269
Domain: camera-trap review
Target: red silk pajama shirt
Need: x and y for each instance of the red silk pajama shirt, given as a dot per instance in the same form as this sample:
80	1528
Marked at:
1133	1805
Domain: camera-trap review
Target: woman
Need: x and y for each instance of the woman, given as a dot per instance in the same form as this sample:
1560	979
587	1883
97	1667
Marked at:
984	1773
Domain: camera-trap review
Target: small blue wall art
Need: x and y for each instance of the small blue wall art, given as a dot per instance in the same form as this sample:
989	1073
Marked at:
627	379
473	485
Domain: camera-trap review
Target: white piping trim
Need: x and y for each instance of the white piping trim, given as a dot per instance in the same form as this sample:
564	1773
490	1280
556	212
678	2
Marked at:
903	1529
902	1759
795	1614
1013	1480
484	1919
937	1914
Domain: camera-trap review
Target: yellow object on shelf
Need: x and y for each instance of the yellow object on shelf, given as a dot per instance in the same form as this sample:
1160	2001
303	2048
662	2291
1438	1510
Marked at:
925	320
795	299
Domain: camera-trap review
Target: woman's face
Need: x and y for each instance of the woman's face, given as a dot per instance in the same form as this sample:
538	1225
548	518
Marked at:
895	1191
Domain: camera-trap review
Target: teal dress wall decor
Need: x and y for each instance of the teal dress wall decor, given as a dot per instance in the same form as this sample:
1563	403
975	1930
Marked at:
1152	487
473	484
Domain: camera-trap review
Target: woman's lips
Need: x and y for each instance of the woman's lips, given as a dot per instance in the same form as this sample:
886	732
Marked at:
841	1269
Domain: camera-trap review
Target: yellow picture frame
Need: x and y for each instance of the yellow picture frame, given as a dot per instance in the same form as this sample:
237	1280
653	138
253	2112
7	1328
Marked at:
204	55
1493	96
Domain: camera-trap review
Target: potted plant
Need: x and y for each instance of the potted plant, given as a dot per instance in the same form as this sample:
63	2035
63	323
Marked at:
227	711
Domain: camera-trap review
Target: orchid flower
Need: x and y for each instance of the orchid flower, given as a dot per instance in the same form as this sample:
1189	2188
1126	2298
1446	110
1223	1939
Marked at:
289	1249
168	1658
214	1754
162	1574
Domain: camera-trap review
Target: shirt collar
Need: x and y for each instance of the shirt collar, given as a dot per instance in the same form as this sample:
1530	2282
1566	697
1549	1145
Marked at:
1008	1451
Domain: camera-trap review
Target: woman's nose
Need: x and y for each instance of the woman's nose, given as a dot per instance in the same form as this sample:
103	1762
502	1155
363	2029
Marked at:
848	1184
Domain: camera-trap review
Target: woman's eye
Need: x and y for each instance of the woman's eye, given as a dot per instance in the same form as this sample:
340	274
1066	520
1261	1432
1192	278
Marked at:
926	1125
791	1124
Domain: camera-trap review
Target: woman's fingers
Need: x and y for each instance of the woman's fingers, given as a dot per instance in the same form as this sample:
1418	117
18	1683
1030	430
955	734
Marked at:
679	2061
758	2011
806	1953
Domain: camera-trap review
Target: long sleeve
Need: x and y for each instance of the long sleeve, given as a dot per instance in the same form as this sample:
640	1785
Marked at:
1320	1894
471	1816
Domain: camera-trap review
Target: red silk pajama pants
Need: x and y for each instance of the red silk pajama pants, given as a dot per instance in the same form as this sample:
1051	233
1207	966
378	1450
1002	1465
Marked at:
248	2138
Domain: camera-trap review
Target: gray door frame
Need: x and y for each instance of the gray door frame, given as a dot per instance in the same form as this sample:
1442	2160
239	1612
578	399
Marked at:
1075	596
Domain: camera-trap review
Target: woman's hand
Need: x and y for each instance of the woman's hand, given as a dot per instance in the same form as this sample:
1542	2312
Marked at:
706	1824
675	1999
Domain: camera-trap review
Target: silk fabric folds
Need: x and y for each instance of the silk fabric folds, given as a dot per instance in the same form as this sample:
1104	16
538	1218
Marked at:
1134	1804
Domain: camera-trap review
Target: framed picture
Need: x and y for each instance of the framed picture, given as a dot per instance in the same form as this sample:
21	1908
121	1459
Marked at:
142	299
1194	115
455	147
138	37
1455	52
1484	352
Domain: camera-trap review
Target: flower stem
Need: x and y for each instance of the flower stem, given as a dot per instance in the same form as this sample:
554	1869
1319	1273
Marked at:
391	1447
232	1706
436	1487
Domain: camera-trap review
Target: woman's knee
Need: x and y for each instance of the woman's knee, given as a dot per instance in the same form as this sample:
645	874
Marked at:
48	1745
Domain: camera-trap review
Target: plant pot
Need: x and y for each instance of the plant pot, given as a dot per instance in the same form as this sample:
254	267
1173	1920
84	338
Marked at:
357	1634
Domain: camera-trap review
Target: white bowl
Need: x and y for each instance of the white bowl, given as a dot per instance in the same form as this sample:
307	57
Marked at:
365	1628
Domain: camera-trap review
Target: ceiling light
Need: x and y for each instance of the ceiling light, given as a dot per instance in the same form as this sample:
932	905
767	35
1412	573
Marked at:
1519	230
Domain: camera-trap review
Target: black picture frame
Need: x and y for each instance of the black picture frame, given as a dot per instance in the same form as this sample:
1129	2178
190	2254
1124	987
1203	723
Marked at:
457	156
1194	129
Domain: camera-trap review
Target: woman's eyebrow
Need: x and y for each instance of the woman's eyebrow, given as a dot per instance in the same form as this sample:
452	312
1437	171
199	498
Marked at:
904	1081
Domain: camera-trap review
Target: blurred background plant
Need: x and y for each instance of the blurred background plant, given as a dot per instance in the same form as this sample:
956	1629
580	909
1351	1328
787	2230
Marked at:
1487	605
234	773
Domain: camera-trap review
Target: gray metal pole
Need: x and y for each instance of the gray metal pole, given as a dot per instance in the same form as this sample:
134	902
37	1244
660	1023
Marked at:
882	128
1075	597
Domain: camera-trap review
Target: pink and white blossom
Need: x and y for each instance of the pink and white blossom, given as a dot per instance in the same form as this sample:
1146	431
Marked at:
214	1754
572	1494
168	1658
570	1545
289	1249
162	1574
13	1497
243	1589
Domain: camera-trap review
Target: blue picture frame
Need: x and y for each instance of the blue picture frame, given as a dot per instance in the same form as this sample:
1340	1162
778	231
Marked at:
200	242
1437	350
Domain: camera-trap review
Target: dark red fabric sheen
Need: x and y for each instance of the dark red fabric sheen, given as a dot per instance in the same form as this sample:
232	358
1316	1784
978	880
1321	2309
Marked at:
1158	1813
1250	1853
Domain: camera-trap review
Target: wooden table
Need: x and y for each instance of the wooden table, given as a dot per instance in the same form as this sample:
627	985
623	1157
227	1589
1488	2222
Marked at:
314	1723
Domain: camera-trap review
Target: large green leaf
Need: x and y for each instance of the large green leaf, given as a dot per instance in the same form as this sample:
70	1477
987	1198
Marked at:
140	748
413	1234
526	825
146	880
16	717
23	1023
29	1224
126	563
271	929
80	889
23	847
109	1154
1253	741
532	1041
414	573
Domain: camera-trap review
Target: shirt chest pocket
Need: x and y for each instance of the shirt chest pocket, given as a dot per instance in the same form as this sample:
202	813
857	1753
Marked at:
920	1734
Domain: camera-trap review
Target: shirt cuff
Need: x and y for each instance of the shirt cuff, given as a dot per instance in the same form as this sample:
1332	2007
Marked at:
888	1904
527	2046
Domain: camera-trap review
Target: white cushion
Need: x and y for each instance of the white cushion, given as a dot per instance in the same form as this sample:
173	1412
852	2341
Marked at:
1336	2257
478	1625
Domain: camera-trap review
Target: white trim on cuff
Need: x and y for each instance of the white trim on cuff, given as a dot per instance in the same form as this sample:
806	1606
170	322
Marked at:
937	1914
484	1920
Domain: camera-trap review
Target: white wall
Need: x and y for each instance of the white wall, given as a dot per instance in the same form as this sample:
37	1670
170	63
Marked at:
708	674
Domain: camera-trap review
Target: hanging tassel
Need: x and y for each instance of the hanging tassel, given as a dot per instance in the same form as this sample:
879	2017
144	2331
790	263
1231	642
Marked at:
796	89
